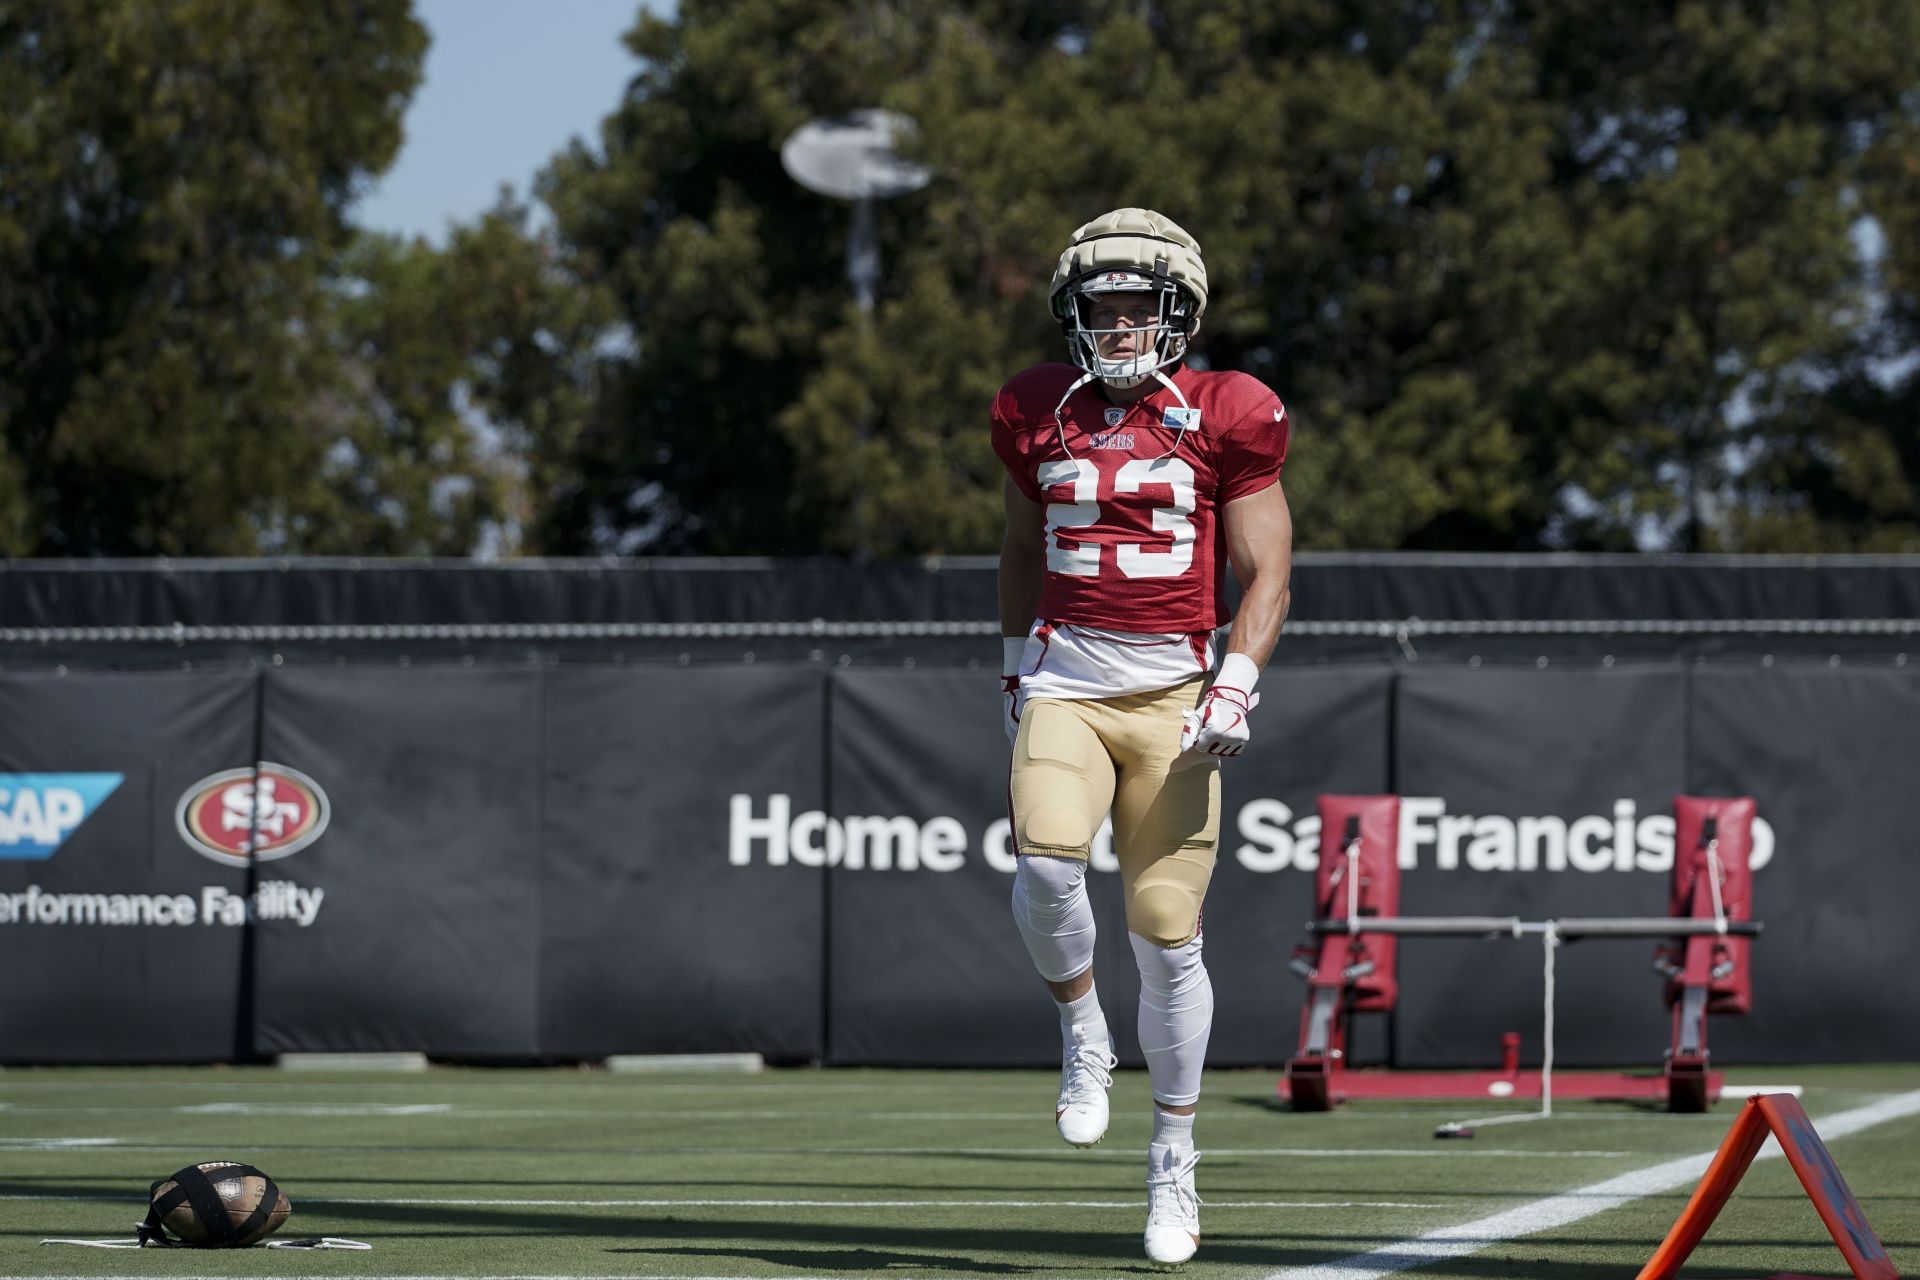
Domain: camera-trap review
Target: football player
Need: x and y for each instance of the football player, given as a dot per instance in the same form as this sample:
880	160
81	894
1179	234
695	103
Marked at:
1133	481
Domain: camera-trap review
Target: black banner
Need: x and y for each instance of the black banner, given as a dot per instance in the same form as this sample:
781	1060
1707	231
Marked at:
1535	793
419	925
529	862
120	942
682	904
1829	756
925	965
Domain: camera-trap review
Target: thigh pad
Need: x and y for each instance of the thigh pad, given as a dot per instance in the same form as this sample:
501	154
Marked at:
1062	781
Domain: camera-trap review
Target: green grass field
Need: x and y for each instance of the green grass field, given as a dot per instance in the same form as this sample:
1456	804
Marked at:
460	1172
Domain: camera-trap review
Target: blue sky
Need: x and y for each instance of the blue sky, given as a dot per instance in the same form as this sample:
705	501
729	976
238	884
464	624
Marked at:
507	83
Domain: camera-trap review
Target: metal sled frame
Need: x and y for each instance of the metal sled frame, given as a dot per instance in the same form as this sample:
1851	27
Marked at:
1316	1078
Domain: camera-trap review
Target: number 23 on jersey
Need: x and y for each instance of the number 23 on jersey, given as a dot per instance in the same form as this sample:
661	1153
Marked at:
1135	508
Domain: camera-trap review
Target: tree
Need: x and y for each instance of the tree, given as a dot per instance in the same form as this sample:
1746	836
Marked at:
727	278
463	380
177	180
1584	274
1529	275
1842	468
1719	163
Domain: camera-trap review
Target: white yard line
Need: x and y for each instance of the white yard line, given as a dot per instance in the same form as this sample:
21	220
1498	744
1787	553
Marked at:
521	1203
82	1145
348	1110
1573	1206
890	1204
329	1109
592	1085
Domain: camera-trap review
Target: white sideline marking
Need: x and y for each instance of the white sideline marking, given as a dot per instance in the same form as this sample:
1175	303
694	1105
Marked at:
1291	1153
78	1195
573	1082
55	1144
1573	1206
350	1110
884	1204
1730	1090
455	1110
311	1109
516	1203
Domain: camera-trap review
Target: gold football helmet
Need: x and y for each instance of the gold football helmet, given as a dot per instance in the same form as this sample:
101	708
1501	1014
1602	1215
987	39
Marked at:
1130	251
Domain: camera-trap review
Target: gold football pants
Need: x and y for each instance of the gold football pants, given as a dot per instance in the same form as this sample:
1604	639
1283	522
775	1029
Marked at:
1076	759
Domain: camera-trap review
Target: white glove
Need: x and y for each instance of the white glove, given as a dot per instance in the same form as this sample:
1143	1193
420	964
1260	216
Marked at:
1218	726
1011	649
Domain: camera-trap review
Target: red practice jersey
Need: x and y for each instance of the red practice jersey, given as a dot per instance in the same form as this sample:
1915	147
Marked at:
1134	536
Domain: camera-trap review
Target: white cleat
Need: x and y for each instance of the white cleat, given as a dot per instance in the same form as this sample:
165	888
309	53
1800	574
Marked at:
1173	1209
1086	1073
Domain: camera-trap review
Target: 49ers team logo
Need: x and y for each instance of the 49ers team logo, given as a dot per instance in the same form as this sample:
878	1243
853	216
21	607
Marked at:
263	813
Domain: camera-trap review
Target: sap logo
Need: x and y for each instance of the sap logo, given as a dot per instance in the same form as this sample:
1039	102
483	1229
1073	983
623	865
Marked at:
38	811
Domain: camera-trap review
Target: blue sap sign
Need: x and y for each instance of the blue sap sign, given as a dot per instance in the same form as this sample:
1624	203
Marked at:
38	811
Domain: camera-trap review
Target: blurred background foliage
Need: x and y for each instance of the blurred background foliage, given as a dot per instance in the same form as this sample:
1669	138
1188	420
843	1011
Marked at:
1579	274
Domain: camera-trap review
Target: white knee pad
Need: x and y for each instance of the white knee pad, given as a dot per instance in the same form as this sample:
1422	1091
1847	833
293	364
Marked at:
1176	1017
1050	906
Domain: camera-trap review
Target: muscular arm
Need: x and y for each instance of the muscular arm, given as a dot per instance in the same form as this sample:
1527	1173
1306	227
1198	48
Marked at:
1259	531
1023	558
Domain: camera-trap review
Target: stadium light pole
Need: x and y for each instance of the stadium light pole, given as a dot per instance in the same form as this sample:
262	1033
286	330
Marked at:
852	157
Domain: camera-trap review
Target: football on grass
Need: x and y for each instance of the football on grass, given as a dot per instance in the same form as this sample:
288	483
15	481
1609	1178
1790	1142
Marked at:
253	1206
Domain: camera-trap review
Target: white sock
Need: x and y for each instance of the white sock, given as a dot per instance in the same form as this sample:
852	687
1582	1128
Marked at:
1170	1132
1082	1022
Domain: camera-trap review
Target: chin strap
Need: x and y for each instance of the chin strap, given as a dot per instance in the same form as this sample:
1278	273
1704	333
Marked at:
1179	433
1059	424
